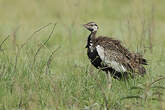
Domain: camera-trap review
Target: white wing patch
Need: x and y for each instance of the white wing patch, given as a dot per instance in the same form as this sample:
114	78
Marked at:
100	51
115	65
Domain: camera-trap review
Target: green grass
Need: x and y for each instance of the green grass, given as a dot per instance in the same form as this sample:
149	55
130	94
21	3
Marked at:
68	81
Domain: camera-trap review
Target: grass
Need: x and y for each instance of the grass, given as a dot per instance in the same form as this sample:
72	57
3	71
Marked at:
46	68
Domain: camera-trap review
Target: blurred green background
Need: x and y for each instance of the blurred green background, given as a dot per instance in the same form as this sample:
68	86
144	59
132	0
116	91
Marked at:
112	16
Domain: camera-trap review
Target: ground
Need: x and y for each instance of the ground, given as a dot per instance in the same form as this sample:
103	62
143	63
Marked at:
43	61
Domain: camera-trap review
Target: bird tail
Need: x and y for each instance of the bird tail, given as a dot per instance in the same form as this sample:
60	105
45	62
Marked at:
140	62
141	70
143	61
137	63
138	58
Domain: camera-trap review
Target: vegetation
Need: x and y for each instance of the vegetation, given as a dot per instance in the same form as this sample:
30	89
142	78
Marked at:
43	61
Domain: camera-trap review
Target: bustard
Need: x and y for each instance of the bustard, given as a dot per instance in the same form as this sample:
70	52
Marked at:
109	55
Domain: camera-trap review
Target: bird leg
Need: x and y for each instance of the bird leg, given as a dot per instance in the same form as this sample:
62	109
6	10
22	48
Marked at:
109	80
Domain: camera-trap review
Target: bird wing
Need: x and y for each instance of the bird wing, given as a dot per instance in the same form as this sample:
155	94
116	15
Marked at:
110	59
113	54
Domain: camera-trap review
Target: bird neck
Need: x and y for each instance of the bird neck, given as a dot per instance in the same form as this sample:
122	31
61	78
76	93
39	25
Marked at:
91	38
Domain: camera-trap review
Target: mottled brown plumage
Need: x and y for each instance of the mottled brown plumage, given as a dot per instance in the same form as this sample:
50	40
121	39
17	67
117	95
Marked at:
109	55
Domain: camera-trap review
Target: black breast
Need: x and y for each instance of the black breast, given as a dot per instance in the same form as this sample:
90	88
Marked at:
94	57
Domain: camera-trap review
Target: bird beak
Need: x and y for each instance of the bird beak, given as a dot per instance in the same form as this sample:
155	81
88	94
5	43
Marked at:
85	25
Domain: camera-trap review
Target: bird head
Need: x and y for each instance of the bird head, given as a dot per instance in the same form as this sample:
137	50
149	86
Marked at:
91	26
